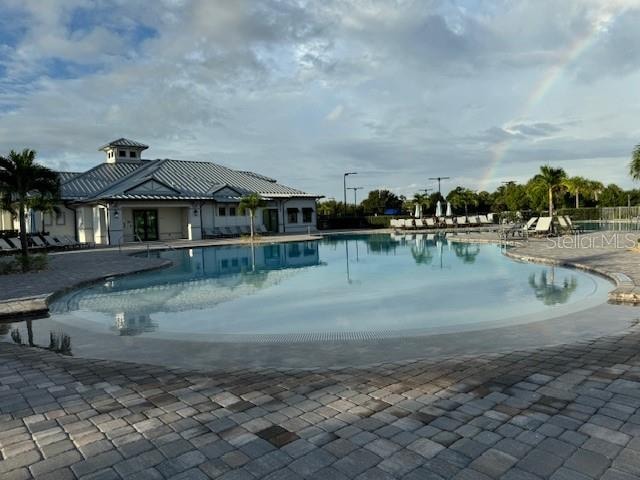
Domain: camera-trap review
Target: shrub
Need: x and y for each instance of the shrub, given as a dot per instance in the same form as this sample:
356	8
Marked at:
18	264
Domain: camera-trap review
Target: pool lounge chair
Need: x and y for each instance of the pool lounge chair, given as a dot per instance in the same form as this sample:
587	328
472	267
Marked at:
430	223
6	247
261	229
419	224
38	242
408	224
449	222
52	242
473	221
563	226
544	227
245	229
574	227
461	221
484	220
491	217
530	225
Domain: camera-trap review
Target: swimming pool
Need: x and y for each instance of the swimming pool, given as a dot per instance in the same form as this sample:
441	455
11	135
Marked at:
340	287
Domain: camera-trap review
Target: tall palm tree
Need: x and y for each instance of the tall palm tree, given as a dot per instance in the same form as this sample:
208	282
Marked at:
634	167
576	186
251	203
22	179
551	180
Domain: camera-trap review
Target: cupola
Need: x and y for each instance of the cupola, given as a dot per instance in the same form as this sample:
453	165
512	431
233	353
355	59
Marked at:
123	150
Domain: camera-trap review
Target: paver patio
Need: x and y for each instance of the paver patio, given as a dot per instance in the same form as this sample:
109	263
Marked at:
566	412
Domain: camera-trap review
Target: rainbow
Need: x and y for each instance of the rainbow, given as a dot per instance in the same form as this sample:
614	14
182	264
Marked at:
542	87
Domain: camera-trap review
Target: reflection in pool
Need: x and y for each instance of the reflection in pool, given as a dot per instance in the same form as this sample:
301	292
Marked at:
364	283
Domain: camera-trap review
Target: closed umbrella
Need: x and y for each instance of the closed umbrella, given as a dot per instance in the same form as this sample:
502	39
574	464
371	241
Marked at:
449	211
418	213
438	209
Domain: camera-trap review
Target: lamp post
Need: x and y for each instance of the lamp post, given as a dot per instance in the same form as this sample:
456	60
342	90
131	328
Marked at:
344	184
355	198
439	179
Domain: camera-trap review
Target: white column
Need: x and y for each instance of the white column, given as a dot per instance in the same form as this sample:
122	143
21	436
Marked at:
193	223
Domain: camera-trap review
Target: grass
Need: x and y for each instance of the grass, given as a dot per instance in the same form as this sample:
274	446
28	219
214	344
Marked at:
21	264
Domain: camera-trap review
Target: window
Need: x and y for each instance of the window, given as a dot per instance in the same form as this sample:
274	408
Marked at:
307	215
122	153
60	218
132	154
222	211
47	219
292	215
232	211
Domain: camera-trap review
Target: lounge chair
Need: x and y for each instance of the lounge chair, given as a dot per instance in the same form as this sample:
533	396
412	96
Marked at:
564	226
473	221
461	221
244	230
544	226
15	241
484	220
261	229
408	224
420	224
449	222
531	224
39	243
67	241
430	223
491	217
229	232
393	223
52	242
574	227
5	247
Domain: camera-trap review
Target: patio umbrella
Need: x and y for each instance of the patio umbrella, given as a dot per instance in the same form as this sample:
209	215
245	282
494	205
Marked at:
438	209
418	213
449	211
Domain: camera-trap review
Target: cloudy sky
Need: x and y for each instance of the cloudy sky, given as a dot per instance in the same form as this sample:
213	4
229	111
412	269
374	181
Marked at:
399	91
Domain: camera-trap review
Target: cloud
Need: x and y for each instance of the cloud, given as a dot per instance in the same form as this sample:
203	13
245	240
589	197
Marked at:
400	91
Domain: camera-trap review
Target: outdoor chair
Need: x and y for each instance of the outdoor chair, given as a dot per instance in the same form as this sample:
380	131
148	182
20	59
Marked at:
245	230
544	226
449	222
573	227
5	247
430	223
419	223
473	221
461	221
261	229
52	242
484	220
38	243
531	224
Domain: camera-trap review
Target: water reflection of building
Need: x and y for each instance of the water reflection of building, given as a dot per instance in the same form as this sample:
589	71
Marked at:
128	324
198	279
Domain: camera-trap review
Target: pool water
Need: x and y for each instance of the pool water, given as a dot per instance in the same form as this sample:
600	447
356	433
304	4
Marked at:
341	285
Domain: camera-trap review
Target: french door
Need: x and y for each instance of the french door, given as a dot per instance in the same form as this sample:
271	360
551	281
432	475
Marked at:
145	224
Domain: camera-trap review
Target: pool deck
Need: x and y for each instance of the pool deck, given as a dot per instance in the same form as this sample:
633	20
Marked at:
565	412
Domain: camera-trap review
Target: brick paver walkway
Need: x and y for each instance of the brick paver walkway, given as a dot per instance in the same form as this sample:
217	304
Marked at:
567	412
570	412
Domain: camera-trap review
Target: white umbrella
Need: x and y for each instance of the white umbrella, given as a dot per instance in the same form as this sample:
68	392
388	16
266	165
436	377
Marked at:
438	209
418	213
449	212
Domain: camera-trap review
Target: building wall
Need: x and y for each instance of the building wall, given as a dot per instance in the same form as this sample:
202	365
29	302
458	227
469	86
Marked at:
300	226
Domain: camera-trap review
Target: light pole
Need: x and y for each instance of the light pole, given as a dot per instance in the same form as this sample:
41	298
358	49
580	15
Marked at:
355	198
344	185
439	179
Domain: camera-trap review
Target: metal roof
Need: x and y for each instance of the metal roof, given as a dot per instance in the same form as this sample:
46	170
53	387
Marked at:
124	142
66	176
187	180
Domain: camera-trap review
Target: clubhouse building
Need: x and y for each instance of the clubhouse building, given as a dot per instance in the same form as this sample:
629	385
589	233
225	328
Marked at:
128	198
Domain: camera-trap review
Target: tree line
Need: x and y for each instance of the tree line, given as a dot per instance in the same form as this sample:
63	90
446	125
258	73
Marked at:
551	188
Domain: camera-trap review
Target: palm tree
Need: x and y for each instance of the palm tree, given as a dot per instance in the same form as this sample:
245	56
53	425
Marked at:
551	180
251	203
634	167
21	180
577	185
